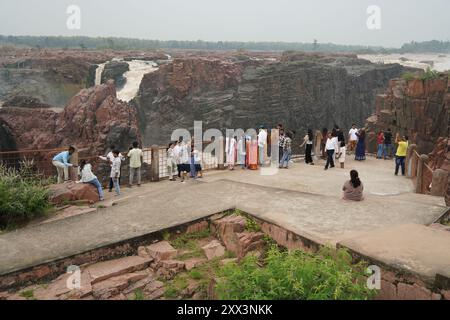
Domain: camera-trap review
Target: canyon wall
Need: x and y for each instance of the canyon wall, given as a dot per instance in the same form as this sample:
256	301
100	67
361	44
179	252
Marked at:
417	108
239	91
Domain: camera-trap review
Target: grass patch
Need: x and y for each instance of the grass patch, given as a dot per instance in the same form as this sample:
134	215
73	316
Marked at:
187	240
171	292
195	274
28	294
295	275
196	252
138	295
409	76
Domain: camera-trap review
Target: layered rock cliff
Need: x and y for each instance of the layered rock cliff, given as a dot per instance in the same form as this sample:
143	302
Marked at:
300	90
417	108
92	120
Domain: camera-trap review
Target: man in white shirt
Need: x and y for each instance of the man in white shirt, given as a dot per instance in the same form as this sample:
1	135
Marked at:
262	142
331	148
352	138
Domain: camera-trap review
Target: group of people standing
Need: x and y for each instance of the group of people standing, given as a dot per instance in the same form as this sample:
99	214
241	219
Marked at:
62	162
183	161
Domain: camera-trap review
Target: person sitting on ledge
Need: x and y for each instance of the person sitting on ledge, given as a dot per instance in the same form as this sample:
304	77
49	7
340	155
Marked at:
85	172
353	188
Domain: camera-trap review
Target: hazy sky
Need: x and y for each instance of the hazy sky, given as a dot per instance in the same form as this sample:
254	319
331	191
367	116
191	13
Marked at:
338	21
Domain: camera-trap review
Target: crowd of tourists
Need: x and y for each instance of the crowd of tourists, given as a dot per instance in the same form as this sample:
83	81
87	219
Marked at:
184	160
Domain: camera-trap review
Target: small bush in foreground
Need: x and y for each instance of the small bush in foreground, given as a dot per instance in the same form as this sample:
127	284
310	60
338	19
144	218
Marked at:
295	275
22	197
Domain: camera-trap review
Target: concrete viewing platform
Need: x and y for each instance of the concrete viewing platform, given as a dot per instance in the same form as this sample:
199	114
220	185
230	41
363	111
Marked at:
388	225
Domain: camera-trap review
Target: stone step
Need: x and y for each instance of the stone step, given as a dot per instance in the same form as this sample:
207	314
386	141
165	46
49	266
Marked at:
108	269
114	286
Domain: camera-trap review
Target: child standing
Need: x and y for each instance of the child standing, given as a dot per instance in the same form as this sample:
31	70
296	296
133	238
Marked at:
115	171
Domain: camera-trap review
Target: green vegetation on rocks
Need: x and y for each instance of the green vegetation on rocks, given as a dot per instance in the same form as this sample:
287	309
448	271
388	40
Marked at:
327	275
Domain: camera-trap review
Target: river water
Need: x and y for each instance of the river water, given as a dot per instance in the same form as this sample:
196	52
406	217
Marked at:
438	62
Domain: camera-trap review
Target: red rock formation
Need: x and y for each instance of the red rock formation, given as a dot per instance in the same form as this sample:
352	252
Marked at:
190	76
61	193
418	108
92	120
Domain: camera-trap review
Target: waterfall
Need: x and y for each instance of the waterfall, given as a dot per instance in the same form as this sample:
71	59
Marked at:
133	77
138	68
98	74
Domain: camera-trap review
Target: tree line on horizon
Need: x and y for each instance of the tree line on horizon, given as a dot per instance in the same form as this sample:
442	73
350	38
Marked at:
101	43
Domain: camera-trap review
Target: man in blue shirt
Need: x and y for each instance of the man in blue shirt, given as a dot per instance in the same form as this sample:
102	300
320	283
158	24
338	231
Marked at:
61	162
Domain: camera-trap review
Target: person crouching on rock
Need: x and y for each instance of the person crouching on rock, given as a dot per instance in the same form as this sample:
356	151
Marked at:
86	175
115	171
61	162
353	188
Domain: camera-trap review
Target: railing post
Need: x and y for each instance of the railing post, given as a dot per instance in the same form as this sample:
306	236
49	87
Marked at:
439	183
409	159
154	166
73	171
423	159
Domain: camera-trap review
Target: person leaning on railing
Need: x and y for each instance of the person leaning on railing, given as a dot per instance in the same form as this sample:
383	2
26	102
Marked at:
400	155
61	162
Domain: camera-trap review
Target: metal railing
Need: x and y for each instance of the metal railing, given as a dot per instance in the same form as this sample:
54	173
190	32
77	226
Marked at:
420	172
41	162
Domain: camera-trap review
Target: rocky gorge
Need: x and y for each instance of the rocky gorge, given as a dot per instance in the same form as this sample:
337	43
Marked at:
244	91
93	119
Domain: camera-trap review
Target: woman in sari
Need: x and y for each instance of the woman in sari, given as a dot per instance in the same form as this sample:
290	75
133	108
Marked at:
360	153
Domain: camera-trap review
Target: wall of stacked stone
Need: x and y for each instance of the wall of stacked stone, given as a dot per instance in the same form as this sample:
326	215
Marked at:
398	284
50	271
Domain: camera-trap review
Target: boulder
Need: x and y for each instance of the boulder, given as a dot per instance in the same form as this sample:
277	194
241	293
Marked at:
227	229
162	250
71	191
214	249
193	263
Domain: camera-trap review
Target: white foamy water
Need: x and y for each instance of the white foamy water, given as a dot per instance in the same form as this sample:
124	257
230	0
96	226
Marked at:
138	69
438	62
98	74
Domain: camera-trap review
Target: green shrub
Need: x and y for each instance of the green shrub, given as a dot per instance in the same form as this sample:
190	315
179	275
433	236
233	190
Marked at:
23	197
429	75
293	275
